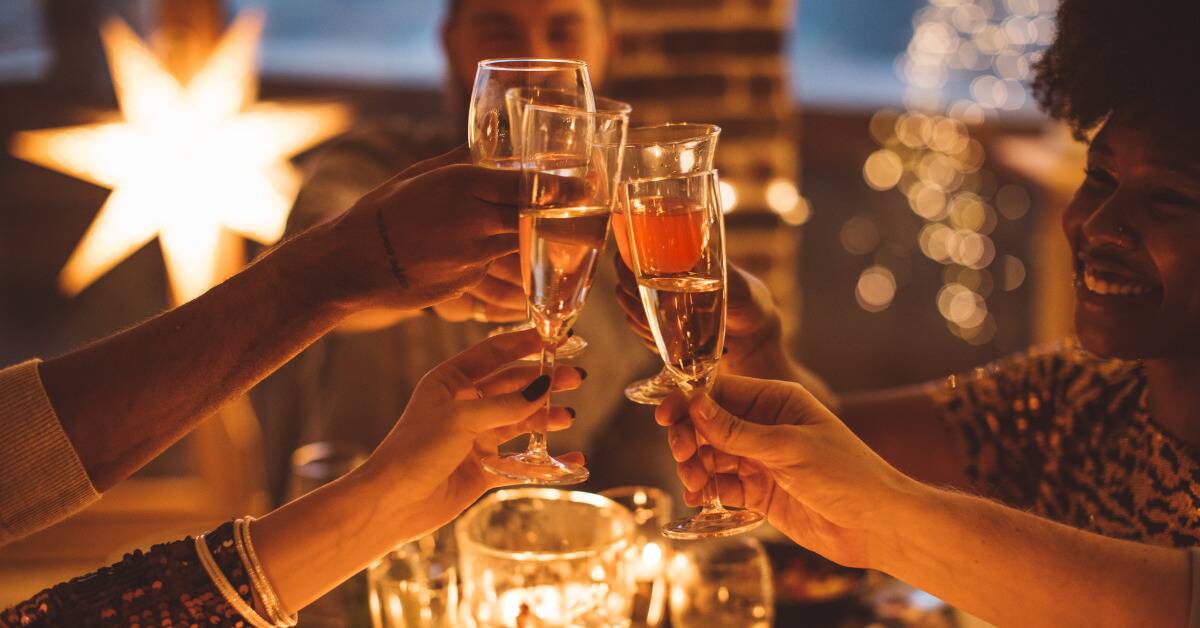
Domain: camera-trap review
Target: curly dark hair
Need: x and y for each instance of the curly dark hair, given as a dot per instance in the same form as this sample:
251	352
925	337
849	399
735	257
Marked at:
1119	56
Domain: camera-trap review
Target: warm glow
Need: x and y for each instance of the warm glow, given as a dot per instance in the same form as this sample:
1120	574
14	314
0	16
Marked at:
875	289
782	196
729	197
186	162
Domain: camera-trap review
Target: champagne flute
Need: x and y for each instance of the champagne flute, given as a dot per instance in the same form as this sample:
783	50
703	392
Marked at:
562	231
492	134
518	99
663	150
493	127
677	245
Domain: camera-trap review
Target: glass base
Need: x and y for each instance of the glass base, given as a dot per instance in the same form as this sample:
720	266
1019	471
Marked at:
715	524
652	390
532	468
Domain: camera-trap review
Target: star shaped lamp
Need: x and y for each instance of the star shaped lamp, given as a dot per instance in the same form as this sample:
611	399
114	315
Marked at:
186	161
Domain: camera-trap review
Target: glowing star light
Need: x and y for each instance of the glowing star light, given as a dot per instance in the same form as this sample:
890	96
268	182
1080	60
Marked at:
186	162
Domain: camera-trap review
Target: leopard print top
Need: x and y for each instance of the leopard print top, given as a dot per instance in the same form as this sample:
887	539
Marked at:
1070	437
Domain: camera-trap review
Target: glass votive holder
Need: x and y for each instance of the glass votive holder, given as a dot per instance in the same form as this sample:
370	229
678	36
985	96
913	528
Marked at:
313	466
416	585
546	558
316	464
651	509
721	582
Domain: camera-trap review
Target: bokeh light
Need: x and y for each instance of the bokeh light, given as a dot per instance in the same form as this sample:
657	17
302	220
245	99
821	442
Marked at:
729	197
859	235
876	289
928	154
883	169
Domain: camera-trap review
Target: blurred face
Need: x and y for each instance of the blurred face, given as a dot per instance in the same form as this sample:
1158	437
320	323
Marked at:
554	29
1134	228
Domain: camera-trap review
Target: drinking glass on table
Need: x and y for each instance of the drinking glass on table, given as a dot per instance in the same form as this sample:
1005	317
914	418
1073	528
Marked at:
722	582
493	125
664	150
651	509
416	584
312	466
677	245
571	163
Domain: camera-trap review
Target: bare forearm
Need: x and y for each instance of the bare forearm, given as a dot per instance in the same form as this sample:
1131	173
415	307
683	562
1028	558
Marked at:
902	425
125	399
310	545
1015	569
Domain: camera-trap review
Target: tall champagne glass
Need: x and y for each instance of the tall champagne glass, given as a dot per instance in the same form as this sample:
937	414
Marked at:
677	245
611	112
493	126
570	167
664	150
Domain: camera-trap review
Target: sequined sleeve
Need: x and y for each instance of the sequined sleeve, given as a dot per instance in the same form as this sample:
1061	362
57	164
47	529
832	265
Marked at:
165	586
1005	414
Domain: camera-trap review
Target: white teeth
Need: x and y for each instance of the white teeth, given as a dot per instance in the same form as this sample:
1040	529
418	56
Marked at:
1100	286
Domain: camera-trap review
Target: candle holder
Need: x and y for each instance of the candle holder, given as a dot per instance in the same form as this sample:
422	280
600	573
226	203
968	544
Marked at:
546	558
651	509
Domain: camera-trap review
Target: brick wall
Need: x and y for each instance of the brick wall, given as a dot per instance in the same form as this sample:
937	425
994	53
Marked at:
718	61
724	62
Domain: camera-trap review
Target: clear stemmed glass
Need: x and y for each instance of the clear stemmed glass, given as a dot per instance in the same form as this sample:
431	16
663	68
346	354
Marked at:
664	150
571	164
723	582
611	112
651	510
493	126
677	245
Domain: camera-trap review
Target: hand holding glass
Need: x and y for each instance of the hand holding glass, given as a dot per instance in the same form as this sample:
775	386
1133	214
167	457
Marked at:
677	245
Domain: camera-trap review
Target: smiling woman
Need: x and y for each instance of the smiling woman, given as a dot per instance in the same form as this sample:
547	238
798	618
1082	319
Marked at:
1103	432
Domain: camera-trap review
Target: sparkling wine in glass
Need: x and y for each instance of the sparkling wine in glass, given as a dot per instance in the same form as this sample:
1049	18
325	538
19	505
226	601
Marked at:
493	123
663	150
677	246
570	164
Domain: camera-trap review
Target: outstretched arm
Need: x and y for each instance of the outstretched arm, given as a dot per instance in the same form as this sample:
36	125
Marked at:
423	237
823	487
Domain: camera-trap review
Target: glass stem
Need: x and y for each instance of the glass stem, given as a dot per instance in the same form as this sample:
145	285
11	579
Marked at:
710	495
537	440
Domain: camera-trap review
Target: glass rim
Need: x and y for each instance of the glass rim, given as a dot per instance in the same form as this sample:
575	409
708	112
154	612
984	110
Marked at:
633	489
538	64
613	109
713	173
710	130
568	110
463	536
330	451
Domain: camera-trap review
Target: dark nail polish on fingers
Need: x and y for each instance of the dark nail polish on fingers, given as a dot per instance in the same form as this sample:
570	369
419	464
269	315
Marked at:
725	351
570	332
536	388
582	373
570	411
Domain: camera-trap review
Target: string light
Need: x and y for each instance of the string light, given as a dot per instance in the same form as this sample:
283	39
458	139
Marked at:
928	154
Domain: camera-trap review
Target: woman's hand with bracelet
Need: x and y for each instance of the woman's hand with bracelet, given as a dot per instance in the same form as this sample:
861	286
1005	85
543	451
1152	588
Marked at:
425	472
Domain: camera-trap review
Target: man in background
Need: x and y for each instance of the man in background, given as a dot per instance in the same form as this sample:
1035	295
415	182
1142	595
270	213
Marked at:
351	386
